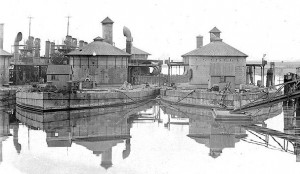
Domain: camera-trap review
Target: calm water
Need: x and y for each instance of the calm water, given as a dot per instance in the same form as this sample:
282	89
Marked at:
145	138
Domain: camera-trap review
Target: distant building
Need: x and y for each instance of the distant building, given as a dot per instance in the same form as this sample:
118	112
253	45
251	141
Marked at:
59	75
4	61
216	63
138	54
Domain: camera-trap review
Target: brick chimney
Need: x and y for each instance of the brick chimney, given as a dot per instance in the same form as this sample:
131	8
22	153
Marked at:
199	40
107	30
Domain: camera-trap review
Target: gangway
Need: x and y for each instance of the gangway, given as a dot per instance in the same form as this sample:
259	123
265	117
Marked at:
269	99
267	131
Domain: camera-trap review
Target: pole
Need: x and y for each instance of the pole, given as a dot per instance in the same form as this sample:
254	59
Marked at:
30	24
169	72
68	25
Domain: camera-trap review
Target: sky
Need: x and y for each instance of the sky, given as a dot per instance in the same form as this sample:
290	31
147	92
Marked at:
164	28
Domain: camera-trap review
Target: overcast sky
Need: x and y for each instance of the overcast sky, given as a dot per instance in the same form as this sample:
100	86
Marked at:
164	28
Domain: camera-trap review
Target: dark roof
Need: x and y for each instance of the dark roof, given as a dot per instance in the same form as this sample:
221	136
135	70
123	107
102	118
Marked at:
99	48
215	30
4	53
135	50
107	20
59	69
216	48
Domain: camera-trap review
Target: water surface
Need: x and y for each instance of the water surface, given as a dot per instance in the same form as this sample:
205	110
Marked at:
145	138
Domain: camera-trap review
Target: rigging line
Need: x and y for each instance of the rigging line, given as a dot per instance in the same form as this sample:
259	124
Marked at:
257	136
269	147
185	96
277	142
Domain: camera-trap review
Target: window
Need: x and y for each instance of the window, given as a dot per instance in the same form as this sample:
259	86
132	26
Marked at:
54	77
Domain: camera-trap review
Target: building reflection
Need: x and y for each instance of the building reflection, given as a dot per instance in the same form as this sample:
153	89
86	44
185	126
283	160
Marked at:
4	130
205	130
215	136
99	130
291	111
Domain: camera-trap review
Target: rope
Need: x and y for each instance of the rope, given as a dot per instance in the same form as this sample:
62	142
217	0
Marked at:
185	97
124	94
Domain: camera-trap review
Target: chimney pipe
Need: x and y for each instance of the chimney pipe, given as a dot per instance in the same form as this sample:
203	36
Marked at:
16	46
47	49
37	45
81	42
68	41
107	30
199	40
74	42
52	48
16	43
29	42
1	36
129	39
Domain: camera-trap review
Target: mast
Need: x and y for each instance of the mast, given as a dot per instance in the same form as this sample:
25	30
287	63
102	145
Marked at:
30	17
68	25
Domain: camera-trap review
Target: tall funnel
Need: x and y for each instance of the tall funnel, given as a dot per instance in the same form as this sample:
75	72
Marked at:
129	39
16	46
47	49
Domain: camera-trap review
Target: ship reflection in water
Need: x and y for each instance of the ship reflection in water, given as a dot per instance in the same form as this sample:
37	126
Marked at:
128	139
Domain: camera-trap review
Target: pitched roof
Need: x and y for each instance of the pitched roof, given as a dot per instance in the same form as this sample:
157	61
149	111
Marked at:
135	50
216	48
4	53
107	20
215	30
59	69
99	48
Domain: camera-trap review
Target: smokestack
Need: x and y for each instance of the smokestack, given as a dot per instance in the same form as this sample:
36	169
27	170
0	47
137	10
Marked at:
47	49
81	42
107	30
199	40
37	45
215	34
129	39
68	41
52	48
74	42
16	43
1	36
29	42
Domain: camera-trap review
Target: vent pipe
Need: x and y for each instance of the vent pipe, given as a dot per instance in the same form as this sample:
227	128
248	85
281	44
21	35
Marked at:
16	43
129	39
